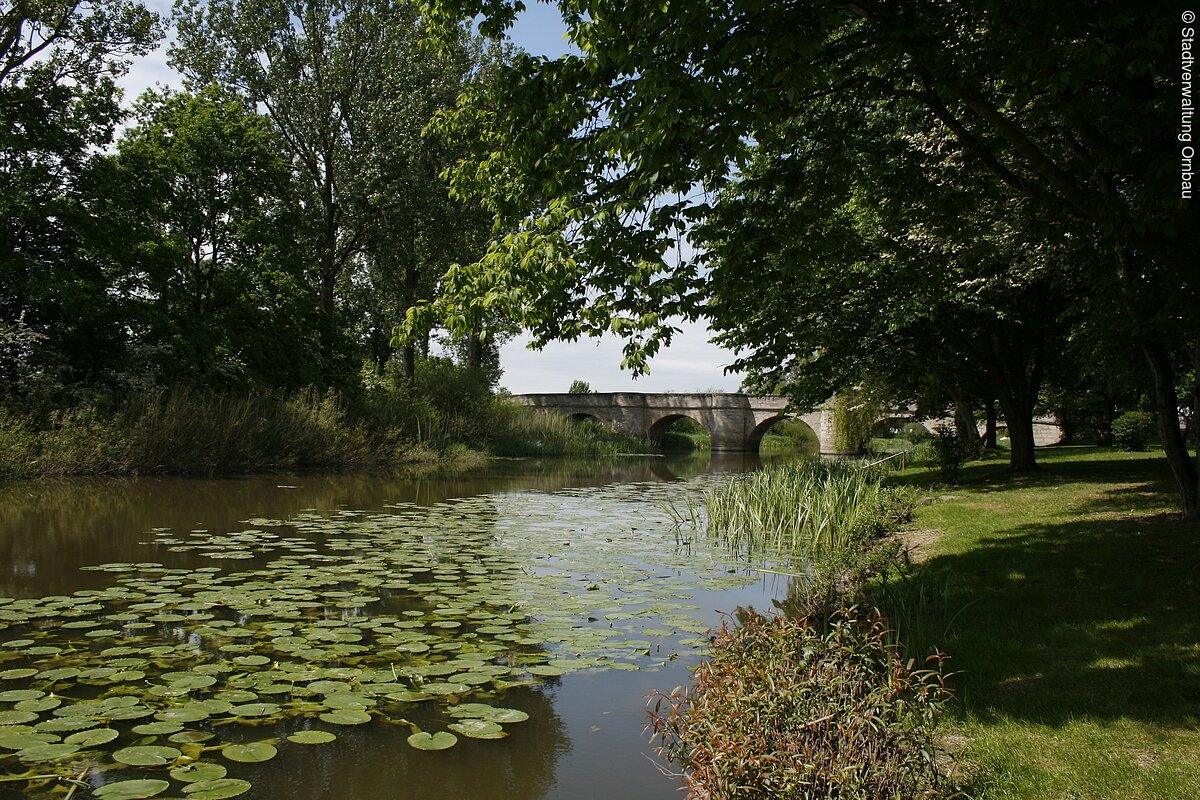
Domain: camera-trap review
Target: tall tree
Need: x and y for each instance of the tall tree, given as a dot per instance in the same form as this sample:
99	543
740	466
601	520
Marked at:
602	162
203	189
349	91
59	103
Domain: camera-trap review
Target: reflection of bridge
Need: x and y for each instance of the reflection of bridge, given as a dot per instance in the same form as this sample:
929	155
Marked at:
734	422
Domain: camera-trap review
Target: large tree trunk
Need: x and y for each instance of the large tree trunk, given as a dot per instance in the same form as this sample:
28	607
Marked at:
1018	415
327	322
329	267
410	361
964	420
1016	377
412	280
1166	403
474	352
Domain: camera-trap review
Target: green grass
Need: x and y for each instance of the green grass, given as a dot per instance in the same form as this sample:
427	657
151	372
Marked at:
1077	635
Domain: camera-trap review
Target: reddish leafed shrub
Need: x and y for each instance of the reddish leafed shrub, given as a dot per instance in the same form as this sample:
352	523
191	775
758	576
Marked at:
783	709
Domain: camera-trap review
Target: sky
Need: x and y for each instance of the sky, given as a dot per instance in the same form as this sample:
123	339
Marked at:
691	363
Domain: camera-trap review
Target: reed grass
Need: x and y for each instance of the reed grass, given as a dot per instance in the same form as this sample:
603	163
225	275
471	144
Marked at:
806	507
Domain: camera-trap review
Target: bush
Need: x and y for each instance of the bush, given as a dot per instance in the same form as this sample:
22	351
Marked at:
18	446
517	430
1132	431
949	451
784	709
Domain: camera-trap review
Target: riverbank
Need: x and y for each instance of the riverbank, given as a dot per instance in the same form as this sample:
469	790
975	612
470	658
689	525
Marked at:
1075	634
185	432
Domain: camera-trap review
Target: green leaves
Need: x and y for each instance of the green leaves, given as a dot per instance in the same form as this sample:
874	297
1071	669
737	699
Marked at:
146	755
131	790
251	753
437	741
218	789
311	737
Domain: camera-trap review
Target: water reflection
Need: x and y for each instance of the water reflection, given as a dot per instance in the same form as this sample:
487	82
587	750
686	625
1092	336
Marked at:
51	528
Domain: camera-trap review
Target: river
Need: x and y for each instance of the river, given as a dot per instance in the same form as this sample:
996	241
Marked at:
524	611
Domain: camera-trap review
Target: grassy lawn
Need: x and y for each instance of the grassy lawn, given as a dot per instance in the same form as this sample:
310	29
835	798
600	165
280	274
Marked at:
1077	636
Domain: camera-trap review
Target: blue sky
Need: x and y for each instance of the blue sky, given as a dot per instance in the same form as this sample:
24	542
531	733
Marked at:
690	363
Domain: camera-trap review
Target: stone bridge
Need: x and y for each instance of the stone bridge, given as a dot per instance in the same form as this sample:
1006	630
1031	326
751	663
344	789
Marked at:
734	422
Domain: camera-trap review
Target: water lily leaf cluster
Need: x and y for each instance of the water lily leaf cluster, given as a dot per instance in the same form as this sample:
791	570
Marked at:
281	634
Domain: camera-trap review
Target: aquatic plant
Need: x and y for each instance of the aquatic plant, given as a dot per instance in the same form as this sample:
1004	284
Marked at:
783	709
423	616
806	508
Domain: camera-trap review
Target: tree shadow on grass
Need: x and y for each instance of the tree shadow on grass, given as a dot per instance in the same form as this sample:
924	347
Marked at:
1096	616
1056	465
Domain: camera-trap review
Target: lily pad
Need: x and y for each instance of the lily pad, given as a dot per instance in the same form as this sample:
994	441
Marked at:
346	716
17	717
157	728
478	729
252	710
311	737
545	670
47	752
437	741
199	771
146	756
250	753
218	789
93	737
131	790
483	711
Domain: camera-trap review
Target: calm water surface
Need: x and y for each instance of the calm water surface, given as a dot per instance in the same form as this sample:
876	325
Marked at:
591	538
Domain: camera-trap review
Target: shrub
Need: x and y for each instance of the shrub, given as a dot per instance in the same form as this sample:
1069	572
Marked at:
949	451
1132	430
580	387
18	446
517	430
786	710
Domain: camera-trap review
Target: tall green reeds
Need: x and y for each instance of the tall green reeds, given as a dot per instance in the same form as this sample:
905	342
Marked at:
806	507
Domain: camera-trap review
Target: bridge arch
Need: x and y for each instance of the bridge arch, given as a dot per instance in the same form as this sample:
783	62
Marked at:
662	423
895	422
583	416
755	437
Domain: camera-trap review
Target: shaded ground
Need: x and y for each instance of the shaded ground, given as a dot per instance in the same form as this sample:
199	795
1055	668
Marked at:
1076	602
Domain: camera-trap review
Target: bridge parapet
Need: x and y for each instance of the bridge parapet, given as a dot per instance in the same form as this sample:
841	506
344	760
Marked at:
735	422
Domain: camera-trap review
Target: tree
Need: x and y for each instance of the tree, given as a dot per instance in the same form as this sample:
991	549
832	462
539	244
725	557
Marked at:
59	104
600	164
580	387
203	191
349	91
